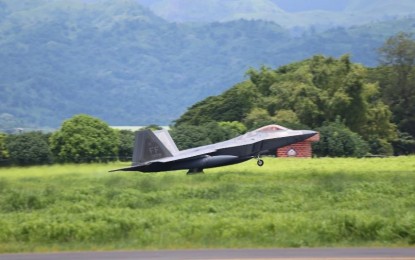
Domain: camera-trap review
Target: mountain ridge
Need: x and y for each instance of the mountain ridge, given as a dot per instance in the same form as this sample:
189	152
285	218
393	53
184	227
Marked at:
345	13
127	66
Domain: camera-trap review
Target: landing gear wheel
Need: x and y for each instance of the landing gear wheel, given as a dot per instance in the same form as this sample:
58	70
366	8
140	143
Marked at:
260	162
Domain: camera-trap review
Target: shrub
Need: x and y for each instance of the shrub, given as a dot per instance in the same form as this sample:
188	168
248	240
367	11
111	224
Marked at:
28	148
337	140
125	148
84	139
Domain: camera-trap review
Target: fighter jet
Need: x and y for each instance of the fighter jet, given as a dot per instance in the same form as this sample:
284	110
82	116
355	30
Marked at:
156	151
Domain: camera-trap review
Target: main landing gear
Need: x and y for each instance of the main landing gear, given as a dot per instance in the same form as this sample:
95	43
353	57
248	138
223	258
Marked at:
195	171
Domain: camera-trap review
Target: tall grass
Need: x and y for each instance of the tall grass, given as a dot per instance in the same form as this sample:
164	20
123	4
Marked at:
285	203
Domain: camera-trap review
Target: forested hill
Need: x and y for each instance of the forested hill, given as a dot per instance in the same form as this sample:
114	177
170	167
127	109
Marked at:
118	61
289	13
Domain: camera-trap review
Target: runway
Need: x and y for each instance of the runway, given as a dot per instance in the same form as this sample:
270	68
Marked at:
226	254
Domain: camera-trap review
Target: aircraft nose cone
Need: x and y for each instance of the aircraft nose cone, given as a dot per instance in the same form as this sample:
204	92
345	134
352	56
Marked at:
309	133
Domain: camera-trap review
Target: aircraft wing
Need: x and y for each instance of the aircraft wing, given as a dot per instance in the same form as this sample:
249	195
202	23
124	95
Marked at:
186	155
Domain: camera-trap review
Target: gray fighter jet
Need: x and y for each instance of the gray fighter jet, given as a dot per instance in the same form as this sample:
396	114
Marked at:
156	151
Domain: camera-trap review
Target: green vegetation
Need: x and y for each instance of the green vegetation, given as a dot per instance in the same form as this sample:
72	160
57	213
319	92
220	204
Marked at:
126	145
336	140
28	148
306	94
4	154
397	78
286	203
187	136
83	138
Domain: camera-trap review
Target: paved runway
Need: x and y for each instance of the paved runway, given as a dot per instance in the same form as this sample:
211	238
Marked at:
222	254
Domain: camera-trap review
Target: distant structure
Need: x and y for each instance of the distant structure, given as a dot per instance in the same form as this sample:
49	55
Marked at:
300	150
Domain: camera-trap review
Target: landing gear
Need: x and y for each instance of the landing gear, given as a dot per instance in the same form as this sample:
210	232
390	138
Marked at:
260	162
195	171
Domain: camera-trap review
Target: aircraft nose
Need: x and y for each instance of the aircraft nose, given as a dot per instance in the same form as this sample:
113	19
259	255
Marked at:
309	133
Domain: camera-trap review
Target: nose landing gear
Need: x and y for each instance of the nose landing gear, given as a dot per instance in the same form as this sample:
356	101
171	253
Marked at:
260	162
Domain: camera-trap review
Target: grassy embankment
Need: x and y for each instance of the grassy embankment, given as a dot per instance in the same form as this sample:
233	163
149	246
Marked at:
286	203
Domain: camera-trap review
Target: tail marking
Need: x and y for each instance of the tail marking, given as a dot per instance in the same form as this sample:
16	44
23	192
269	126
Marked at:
148	147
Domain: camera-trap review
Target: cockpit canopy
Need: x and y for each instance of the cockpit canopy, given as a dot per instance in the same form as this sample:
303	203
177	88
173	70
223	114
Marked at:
271	128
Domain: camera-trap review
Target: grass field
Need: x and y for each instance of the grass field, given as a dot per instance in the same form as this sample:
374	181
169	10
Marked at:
285	203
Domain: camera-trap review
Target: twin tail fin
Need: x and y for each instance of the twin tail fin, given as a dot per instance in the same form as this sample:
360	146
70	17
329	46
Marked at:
149	145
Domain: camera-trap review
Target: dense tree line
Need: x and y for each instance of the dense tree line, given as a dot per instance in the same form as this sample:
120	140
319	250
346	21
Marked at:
81	139
396	76
308	94
360	110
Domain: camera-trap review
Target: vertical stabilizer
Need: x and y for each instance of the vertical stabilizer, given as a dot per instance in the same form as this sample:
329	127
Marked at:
165	138
148	147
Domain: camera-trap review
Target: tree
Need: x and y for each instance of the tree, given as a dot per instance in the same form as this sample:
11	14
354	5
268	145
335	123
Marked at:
188	136
258	117
216	133
319	90
404	144
306	94
336	140
126	145
84	139
28	148
397	78
4	154
233	128
262	79
232	105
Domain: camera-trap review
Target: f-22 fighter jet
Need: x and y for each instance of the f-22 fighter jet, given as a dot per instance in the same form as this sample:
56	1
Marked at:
156	151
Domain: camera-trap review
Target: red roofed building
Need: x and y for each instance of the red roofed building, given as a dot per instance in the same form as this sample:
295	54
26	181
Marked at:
301	149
